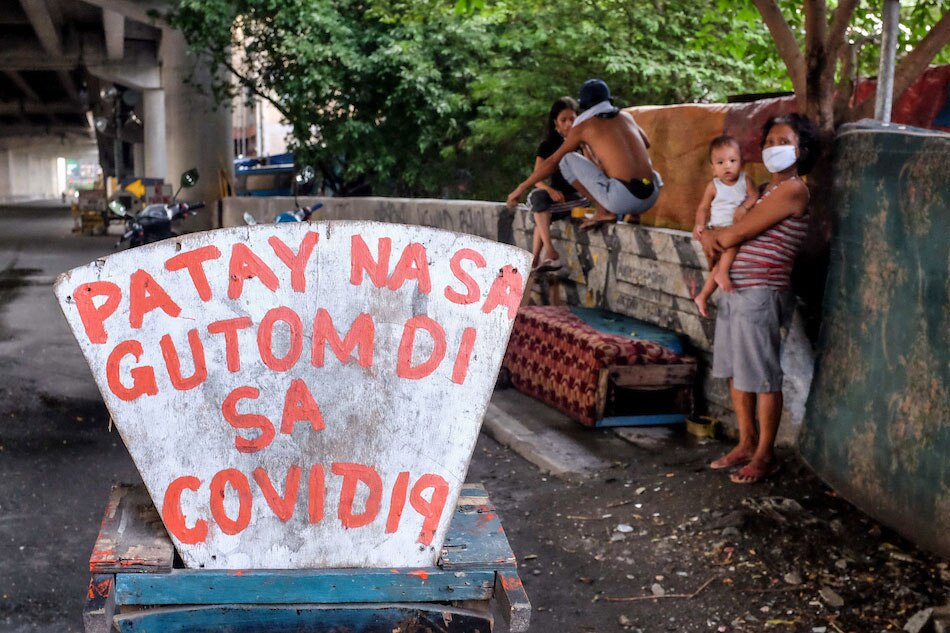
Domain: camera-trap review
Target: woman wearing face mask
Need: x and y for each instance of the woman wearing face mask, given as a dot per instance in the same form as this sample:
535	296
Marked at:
747	341
552	201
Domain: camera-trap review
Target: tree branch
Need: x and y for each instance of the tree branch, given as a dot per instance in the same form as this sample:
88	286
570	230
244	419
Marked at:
816	25
248	83
836	46
819	66
845	87
787	46
915	62
912	65
840	19
849	53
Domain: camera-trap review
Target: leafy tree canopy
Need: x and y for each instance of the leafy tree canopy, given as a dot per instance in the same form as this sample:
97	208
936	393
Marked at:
412	95
372	89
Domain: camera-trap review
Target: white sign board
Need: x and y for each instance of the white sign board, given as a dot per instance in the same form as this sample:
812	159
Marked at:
300	395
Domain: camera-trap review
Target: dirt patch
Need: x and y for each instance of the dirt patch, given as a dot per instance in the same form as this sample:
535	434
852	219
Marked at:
661	543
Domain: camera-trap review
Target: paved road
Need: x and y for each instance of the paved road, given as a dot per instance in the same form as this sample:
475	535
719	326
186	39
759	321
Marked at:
58	458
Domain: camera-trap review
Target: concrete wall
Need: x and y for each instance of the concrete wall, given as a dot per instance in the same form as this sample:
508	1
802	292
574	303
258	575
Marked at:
197	131
652	274
645	272
878	422
490	220
28	166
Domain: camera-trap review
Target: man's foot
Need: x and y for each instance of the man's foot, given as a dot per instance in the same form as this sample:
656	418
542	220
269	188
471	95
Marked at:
754	472
735	457
600	218
700	302
723	281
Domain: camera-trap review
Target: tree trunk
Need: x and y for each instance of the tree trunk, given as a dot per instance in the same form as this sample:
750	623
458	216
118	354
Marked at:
813	80
812	267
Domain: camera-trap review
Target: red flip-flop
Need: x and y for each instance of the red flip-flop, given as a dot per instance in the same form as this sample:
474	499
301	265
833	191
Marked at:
752	474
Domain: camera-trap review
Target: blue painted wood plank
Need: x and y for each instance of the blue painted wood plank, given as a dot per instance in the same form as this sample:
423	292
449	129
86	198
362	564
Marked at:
330	586
309	618
471	491
643	420
476	538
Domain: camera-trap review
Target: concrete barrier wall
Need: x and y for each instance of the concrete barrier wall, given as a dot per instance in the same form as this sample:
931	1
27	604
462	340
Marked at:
878	422
644	272
652	274
490	220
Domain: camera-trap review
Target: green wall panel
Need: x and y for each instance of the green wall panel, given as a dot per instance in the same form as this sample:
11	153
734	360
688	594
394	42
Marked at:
877	424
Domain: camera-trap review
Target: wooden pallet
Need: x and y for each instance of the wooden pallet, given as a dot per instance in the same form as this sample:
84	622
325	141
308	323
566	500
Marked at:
137	584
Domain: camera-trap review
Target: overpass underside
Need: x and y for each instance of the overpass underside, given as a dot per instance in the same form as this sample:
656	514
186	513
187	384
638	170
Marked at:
103	80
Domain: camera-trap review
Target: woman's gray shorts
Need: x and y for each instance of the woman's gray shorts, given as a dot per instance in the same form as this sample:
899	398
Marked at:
747	347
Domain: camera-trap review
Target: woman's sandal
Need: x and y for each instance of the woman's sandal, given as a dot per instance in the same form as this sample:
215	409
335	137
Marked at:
591	224
548	266
729	461
752	474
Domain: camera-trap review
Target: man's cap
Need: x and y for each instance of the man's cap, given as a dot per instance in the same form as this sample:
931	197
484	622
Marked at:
593	92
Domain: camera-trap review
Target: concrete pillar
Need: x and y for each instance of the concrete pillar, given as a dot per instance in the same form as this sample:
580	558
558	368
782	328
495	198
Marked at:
196	133
153	102
34	176
138	159
6	175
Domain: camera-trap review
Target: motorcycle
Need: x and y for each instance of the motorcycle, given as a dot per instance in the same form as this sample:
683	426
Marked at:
154	222
300	214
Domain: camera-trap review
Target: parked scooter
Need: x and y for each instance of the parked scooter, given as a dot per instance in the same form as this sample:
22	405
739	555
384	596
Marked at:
300	214
154	222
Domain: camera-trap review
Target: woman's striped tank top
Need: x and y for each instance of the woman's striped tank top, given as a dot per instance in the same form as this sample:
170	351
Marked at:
767	258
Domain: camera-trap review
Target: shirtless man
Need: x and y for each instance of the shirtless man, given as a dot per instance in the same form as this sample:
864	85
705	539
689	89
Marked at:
623	181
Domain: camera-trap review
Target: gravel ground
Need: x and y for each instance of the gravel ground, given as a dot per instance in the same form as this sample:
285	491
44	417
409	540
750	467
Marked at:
659	542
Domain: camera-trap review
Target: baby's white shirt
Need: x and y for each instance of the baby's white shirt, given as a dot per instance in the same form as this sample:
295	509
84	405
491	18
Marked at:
726	200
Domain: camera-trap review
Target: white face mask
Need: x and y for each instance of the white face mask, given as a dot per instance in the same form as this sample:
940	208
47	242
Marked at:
779	157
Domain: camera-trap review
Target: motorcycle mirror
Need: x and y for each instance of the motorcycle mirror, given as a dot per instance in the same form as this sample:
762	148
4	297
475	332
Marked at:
116	207
189	178
305	176
301	179
249	219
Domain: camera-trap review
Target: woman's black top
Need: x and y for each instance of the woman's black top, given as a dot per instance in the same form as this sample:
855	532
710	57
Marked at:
545	149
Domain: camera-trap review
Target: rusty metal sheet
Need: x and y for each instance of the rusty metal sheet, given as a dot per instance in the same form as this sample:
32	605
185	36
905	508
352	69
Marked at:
300	395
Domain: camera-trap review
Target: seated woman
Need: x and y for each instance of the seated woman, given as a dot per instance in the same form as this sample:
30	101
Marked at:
554	201
747	343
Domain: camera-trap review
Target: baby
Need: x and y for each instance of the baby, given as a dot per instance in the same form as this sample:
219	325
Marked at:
726	199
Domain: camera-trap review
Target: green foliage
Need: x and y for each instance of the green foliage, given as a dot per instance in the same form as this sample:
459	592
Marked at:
750	38
373	90
448	97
